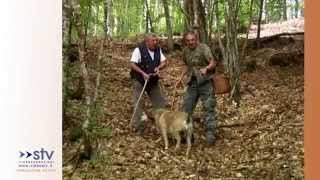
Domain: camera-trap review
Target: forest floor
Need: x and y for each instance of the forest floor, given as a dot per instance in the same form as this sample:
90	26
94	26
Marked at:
263	139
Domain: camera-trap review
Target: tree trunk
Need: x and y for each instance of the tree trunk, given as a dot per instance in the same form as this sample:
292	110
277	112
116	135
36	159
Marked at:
211	18
197	21
202	22
99	67
259	23
67	22
168	24
96	22
86	140
66	30
86	28
266	9
108	18
126	19
230	50
302	10
221	46
244	47
148	19
284	7
70	31
233	54
187	5
296	8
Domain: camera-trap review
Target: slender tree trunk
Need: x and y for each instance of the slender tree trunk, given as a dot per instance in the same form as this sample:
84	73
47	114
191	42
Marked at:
168	24
244	47
96	20
302	9
221	46
86	28
195	7
266	8
70	31
284	7
238	7
66	30
146	13
148	18
189	16
202	22
106	20
230	50
233	55
197	21
211	18
86	140
127	18
296	8
259	23
99	67
110	18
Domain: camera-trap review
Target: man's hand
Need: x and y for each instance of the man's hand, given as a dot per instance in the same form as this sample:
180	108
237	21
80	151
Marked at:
178	82
146	76
203	71
157	71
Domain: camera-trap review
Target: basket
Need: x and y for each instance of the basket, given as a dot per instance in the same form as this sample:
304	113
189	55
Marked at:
221	84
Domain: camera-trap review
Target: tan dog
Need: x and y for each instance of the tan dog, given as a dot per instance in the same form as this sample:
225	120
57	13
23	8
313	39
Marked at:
173	123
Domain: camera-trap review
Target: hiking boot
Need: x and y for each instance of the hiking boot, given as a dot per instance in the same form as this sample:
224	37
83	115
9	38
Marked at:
210	138
140	131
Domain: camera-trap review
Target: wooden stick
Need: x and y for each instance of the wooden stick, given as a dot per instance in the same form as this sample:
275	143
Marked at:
136	106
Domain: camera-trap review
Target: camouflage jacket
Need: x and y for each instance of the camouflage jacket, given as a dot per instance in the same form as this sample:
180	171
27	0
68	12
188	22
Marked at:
196	59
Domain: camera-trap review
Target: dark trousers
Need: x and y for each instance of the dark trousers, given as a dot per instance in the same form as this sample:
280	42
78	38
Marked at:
155	95
205	93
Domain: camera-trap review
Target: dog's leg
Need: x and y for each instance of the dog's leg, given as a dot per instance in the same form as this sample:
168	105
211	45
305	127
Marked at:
178	139
189	136
189	145
165	137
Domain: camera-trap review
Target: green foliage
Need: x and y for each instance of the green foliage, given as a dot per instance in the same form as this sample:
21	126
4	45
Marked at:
75	133
129	17
99	159
97	129
274	9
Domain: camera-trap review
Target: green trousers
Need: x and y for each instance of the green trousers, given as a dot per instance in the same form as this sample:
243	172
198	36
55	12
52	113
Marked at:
204	91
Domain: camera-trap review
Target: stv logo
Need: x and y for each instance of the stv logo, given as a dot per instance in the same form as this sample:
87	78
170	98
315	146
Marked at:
37	155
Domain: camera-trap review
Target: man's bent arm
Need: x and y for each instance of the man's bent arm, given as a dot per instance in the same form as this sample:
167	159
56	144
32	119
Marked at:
137	69
212	65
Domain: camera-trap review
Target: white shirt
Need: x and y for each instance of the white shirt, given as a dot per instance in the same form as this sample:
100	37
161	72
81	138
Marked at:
136	56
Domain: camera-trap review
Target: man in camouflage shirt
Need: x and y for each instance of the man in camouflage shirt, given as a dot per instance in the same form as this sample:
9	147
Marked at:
200	68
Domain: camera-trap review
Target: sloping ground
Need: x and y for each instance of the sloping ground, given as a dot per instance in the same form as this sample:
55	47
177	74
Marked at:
263	139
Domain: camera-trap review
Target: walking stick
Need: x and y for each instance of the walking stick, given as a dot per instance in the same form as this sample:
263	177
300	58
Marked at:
136	106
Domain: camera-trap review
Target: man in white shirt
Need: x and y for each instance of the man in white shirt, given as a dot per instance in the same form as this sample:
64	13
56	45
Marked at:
146	62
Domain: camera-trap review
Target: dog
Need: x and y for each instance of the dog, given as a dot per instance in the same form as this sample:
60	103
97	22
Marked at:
173	123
